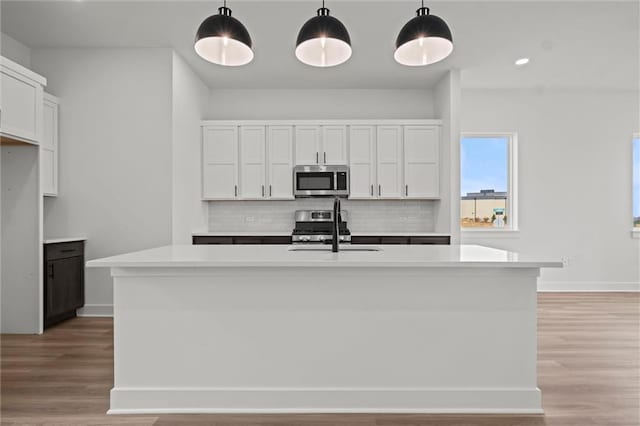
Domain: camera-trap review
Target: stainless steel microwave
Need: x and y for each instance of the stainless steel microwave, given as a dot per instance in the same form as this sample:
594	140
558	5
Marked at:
321	181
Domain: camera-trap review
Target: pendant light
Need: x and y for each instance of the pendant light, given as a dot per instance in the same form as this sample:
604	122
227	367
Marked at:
424	40
323	41
223	40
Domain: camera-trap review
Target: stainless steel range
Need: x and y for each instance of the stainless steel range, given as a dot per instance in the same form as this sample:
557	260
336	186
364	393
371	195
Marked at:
315	226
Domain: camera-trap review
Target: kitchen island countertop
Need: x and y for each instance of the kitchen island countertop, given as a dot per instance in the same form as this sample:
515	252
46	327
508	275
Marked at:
458	256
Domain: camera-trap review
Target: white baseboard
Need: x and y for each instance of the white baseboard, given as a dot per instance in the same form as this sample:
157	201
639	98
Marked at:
324	400
587	286
95	311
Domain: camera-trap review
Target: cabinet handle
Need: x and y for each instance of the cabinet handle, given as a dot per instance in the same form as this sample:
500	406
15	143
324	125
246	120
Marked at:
270	190
236	189
325	157
51	271
406	190
263	190
372	190
317	161
379	189
67	250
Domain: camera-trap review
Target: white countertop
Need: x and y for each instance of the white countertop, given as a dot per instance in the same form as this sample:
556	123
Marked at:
221	256
288	233
62	240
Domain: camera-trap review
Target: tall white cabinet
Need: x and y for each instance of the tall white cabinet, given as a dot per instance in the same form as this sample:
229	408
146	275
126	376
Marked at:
280	165
220	163
49	146
421	154
252	158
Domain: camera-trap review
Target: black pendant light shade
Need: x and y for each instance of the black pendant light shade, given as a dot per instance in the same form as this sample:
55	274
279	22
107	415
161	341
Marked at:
223	40
323	41
424	40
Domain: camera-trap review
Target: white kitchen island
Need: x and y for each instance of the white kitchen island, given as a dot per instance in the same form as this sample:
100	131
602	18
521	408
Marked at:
255	328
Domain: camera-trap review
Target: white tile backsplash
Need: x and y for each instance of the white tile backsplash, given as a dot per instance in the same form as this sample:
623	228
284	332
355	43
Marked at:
364	216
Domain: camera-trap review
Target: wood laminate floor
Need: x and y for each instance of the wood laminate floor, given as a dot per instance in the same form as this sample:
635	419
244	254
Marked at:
588	359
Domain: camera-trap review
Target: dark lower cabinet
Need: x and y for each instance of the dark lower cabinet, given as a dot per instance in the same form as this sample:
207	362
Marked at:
439	239
242	239
63	281
257	239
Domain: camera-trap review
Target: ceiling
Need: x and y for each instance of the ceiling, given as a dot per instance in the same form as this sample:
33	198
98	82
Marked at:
571	44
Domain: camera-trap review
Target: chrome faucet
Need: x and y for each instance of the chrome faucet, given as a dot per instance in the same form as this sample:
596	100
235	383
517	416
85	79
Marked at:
335	240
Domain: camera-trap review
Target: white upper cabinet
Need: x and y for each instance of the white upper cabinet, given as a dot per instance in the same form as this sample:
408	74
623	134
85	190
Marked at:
421	158
280	162
49	146
252	162
21	100
389	162
220	163
362	161
307	145
321	144
334	145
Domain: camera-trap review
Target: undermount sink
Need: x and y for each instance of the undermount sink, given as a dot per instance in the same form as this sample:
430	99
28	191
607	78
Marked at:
322	247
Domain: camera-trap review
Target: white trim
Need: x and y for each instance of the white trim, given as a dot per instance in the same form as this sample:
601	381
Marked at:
325	400
512	179
371	122
25	72
96	310
635	232
587	286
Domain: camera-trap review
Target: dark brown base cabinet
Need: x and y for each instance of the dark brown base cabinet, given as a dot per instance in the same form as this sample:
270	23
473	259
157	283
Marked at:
257	239
63	281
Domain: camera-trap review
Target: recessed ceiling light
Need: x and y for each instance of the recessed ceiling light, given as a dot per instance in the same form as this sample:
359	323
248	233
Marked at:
522	61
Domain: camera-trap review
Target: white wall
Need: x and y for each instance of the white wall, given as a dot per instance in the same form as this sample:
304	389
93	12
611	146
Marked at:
115	152
574	179
189	105
14	50
21	278
320	104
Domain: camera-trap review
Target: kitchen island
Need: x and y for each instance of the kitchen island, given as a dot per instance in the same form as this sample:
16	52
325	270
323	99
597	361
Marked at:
220	329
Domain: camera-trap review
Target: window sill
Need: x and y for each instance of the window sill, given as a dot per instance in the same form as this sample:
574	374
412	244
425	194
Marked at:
489	233
635	233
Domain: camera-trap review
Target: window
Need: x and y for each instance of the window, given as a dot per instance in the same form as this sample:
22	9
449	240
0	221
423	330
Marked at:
636	182
487	182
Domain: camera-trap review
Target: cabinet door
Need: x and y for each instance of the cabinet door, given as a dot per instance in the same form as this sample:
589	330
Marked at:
389	161
334	145
220	162
421	158
252	162
21	105
280	155
307	145
362	145
64	289
49	147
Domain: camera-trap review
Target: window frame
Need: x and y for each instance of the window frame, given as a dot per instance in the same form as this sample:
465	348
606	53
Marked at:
635	231
512	183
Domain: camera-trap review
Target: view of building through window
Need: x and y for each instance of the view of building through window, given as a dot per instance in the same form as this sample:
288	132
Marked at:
636	182
484	180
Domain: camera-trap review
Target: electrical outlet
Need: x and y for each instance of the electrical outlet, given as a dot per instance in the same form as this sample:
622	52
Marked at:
565	261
